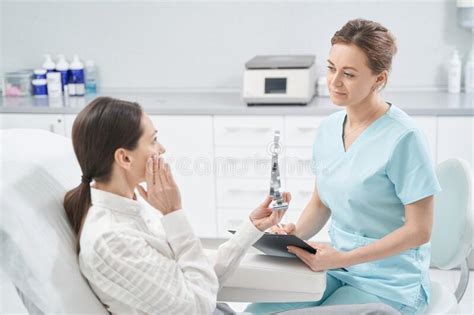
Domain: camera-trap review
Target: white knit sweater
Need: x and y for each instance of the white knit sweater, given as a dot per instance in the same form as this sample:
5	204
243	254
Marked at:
140	263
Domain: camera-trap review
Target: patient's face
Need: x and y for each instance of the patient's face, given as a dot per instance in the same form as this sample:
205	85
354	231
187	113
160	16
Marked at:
147	146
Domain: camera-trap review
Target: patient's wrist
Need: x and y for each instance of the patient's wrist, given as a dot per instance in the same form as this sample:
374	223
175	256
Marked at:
257	224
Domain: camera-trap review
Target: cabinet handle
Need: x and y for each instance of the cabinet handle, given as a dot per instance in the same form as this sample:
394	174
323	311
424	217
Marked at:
51	128
304	161
245	191
256	129
306	129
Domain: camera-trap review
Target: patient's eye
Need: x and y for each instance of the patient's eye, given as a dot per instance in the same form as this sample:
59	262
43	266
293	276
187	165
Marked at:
155	140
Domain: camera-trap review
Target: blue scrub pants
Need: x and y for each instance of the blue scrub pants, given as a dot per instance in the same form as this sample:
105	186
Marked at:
336	293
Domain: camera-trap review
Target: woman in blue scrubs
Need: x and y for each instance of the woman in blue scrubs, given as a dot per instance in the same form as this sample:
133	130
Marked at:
374	178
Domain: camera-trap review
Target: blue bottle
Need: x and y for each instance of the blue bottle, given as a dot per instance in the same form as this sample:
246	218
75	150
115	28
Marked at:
62	67
76	86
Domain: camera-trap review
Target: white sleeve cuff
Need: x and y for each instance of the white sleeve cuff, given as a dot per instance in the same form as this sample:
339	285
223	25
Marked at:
176	224
246	234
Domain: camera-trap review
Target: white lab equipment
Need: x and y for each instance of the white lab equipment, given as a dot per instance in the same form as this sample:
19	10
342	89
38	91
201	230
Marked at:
465	13
279	79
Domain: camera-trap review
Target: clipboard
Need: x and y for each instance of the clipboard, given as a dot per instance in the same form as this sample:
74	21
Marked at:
275	244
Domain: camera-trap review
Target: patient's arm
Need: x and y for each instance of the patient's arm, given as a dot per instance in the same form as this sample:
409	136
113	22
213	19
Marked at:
231	252
314	217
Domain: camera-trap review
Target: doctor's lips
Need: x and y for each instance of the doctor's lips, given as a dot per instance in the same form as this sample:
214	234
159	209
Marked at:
338	93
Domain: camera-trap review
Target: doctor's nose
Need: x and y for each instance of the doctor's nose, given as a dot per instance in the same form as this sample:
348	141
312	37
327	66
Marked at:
335	81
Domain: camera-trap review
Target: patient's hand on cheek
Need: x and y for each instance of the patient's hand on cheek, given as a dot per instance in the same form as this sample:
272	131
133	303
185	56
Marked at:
264	217
162	192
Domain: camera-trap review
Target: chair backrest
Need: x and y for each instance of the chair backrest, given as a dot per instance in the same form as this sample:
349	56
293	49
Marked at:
38	246
451	239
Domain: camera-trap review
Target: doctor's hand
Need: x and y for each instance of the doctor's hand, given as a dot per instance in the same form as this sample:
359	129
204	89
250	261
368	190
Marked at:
288	228
162	192
263	217
325	258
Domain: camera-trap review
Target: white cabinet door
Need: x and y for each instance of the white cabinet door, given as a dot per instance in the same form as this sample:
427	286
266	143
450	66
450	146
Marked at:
298	162
301	130
241	192
246	130
49	122
301	192
456	138
68	122
245	162
189	151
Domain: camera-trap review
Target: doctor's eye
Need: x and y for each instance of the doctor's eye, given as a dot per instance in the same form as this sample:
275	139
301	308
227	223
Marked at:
348	75
331	68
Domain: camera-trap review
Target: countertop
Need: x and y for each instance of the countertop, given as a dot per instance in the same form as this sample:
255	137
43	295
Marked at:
230	103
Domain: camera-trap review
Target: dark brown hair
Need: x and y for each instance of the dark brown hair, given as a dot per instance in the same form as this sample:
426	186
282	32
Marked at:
102	127
378	44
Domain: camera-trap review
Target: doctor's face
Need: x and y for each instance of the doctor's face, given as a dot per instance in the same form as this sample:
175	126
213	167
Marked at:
349	78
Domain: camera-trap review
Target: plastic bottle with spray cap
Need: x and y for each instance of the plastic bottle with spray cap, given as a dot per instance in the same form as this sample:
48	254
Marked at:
62	66
469	73
76	84
454	73
91	77
48	63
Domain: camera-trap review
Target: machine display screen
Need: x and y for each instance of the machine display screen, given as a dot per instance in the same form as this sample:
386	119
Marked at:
275	85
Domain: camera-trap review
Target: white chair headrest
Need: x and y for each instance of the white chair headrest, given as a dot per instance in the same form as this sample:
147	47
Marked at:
38	245
451	239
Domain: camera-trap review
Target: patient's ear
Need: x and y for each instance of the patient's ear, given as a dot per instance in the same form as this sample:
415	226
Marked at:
122	158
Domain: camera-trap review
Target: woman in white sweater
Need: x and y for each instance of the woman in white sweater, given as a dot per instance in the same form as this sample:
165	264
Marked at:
136	261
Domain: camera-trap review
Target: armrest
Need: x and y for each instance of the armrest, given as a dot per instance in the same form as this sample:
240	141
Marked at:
261	278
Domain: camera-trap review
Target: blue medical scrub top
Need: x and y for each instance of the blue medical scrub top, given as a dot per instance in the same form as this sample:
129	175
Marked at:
366	188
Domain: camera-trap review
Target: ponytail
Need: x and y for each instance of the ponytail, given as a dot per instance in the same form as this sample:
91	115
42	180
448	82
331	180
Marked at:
77	203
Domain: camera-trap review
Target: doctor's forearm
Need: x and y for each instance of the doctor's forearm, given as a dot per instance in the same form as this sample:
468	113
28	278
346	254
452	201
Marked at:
311	221
396	242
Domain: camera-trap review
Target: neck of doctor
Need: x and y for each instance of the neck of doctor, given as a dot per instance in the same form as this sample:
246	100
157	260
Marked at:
118	184
370	108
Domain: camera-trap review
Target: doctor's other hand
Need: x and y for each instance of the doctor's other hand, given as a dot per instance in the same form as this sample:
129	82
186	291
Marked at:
263	217
326	257
288	228
162	192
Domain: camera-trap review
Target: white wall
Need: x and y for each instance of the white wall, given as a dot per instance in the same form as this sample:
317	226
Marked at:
204	44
